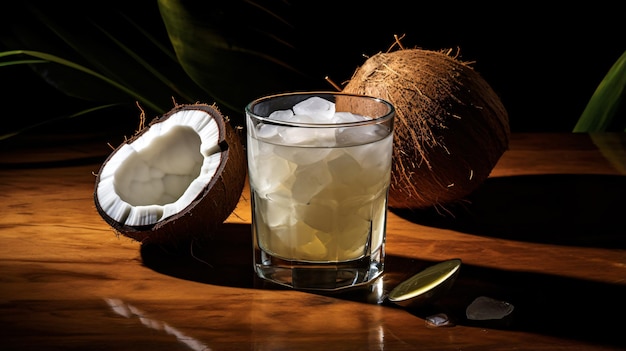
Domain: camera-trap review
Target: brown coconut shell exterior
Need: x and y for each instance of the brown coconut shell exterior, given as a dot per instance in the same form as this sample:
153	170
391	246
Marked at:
450	130
199	220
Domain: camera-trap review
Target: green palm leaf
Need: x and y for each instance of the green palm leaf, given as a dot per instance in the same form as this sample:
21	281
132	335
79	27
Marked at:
97	55
47	58
599	114
236	50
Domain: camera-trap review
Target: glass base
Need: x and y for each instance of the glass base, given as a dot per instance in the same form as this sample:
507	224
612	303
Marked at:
319	276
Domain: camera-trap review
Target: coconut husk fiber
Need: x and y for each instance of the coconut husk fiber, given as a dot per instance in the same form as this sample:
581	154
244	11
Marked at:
450	128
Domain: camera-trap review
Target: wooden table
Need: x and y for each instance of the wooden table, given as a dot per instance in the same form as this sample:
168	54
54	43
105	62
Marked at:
545	233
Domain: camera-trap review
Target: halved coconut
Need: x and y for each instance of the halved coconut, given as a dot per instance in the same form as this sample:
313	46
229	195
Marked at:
175	180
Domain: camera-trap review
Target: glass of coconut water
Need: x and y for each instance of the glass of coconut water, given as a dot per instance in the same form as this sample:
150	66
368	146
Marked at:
319	165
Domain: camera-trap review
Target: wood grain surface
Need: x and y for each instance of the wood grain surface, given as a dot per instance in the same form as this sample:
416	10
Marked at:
545	232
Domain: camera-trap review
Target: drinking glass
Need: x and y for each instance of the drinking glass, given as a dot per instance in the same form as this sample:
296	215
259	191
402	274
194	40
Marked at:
319	166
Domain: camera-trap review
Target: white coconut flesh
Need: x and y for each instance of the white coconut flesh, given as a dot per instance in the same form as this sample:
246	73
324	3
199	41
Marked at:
161	173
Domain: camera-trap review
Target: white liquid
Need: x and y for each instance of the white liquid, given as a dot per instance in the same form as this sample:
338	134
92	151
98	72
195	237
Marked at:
320	204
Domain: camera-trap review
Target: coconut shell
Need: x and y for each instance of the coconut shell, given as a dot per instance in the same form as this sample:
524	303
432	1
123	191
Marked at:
214	204
450	129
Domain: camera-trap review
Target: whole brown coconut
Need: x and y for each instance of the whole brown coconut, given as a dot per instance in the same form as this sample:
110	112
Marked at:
175	180
450	129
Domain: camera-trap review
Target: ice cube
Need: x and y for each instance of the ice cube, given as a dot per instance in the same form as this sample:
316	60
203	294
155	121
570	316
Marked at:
278	241
302	156
295	135
354	232
438	320
267	163
320	108
299	118
277	167
281	115
347	117
356	200
310	180
311	248
306	135
373	156
295	242
345	169
267	131
325	136
314	110
360	134
316	215
485	308
277	213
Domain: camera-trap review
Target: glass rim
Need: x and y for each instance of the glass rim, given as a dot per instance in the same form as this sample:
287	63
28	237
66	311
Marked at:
374	120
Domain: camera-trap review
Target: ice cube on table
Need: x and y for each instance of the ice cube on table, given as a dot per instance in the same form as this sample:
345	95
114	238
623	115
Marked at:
484	308
316	106
438	320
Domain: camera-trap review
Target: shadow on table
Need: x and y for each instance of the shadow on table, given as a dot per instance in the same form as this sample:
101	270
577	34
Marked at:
577	210
546	304
225	259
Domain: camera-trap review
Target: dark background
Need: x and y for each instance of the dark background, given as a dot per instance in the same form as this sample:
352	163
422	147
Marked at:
544	61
